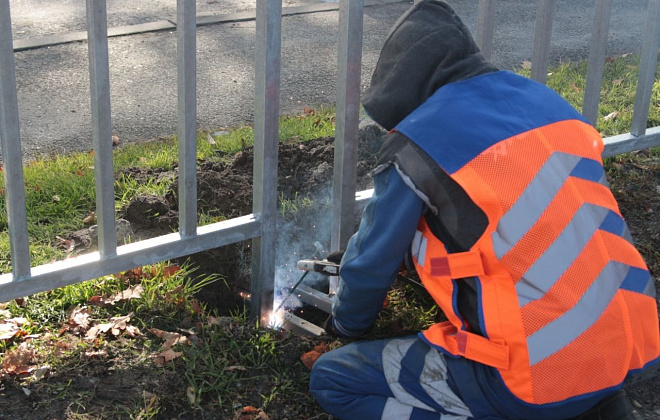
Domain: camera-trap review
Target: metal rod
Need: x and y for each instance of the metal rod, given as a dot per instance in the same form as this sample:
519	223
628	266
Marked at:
187	104
266	132
293	289
486	26
647	67
596	65
541	51
148	251
99	86
11	151
346	127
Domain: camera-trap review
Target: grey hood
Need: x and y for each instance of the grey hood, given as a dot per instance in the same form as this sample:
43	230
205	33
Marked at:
428	47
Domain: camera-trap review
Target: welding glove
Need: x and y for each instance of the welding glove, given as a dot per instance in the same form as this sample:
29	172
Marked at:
335	256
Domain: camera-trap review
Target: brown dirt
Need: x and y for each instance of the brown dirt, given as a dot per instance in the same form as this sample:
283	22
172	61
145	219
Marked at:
305	170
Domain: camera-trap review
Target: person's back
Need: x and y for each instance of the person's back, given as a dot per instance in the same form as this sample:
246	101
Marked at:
520	243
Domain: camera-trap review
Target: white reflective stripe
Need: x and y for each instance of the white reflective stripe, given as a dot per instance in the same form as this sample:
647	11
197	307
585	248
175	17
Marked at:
394	410
422	252
533	201
434	381
559	256
574	322
417	241
393	353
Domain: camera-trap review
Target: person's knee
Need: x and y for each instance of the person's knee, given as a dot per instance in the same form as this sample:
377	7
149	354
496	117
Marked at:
319	379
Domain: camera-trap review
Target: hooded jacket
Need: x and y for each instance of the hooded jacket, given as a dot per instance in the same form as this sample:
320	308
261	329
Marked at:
428	48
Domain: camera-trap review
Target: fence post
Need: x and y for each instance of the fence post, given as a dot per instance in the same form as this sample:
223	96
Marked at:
99	86
647	68
346	127
11	151
486	27
186	27
597	51
266	133
541	51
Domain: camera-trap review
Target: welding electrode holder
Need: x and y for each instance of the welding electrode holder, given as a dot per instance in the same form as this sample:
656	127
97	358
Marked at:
319	266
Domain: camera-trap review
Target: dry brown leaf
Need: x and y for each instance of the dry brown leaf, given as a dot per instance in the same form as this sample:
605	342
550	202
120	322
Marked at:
233	368
19	360
617	82
576	88
611	116
251	413
166	356
80	317
309	111
91	219
116	326
210	139
134	292
527	65
115	140
7	331
170	338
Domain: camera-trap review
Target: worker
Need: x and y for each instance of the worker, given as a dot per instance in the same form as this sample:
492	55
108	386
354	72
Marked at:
495	187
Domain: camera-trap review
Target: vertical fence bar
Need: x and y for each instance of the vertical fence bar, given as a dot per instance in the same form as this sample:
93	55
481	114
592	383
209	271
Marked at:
647	67
186	27
541	51
99	86
346	127
596	67
486	27
11	151
266	132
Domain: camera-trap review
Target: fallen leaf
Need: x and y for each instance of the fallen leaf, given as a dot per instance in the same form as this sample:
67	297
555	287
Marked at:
41	373
233	368
527	65
609	59
170	338
617	82
190	394
5	313
79	318
309	111
8	331
96	354
210	139
91	219
170	270
251	413
196	306
611	116
166	356
576	88
115	327
19	360
115	140
134	292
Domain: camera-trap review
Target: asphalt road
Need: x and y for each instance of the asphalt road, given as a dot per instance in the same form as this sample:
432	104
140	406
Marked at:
53	85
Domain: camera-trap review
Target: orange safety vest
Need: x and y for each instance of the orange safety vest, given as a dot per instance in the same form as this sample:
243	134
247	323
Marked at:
567	304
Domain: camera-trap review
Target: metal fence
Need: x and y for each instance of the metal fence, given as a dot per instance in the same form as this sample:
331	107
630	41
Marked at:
260	226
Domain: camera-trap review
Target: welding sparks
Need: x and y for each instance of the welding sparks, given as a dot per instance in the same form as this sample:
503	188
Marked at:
276	320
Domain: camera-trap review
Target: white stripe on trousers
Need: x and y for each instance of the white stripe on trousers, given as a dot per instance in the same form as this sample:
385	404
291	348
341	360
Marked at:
433	380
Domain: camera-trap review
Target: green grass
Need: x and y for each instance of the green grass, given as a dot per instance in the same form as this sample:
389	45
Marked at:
60	190
227	364
618	91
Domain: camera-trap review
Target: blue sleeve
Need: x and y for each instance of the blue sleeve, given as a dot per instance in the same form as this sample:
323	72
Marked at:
375	253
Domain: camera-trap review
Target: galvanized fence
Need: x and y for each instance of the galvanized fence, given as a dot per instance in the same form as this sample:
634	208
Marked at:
260	226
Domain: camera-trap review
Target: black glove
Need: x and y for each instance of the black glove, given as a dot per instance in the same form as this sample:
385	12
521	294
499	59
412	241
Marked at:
335	257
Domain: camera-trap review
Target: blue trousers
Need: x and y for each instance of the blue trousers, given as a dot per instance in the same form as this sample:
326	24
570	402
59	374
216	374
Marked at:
395	379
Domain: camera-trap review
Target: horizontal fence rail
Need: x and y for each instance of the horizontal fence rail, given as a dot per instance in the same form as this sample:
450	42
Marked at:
260	226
